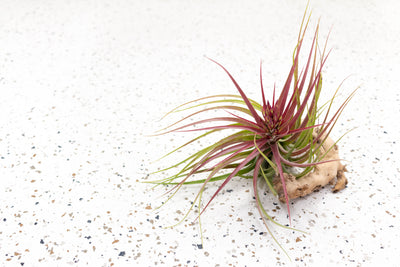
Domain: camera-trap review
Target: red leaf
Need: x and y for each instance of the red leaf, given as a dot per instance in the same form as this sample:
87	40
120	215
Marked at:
246	100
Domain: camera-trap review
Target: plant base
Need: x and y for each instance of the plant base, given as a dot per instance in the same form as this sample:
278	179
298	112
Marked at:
322	175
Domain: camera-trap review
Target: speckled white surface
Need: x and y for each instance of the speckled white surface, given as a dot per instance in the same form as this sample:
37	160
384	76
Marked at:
82	82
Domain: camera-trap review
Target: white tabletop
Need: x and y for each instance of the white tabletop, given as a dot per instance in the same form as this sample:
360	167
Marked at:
83	82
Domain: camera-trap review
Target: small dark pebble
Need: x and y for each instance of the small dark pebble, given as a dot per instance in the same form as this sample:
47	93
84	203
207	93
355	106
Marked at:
122	253
89	221
41	241
199	246
4	219
22	264
229	190
157	217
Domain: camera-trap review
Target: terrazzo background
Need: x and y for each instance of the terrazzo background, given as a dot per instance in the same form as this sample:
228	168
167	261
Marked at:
83	82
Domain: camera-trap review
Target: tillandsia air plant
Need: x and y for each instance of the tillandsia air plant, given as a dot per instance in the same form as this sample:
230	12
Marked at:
284	141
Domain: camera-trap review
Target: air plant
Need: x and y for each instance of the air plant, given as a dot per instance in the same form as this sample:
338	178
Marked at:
273	140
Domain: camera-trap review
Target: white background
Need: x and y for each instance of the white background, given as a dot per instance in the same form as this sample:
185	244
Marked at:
83	82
